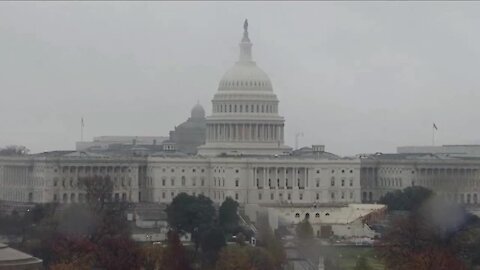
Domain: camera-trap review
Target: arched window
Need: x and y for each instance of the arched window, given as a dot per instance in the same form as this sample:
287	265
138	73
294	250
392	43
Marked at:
297	215
241	108
230	108
251	108
317	215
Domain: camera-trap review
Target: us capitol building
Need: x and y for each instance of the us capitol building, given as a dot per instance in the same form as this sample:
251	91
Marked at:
238	151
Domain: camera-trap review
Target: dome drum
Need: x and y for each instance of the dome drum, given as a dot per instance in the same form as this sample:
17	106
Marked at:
245	117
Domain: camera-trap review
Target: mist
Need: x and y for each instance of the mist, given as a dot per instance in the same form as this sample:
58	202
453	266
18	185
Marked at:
356	76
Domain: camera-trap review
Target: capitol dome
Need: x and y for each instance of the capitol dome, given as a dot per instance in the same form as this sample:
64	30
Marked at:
245	75
198	112
245	119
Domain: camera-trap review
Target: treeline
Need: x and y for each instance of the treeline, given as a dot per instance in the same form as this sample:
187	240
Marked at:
96	235
433	234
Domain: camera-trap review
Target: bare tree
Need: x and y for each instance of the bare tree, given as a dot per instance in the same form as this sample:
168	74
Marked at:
14	150
99	191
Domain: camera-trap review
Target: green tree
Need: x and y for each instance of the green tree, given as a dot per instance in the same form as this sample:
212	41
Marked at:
408	199
190	214
153	257
227	215
362	264
304	230
233	258
212	242
244	258
268	240
438	236
261	259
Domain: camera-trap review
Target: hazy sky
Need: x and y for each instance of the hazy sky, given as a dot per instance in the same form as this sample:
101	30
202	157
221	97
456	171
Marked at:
357	77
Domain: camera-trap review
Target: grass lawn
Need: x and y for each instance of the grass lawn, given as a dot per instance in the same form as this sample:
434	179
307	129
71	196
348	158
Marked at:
346	257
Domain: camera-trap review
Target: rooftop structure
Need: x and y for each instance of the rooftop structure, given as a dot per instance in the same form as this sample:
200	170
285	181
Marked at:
457	150
13	259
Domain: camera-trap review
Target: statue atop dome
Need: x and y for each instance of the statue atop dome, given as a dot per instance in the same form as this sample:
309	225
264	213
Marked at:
245	31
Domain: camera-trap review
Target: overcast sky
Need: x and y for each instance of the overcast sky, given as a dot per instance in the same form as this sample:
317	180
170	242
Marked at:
357	77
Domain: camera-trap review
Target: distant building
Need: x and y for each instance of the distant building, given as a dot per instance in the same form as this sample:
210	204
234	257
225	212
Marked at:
458	150
189	135
342	220
244	157
105	143
54	176
456	178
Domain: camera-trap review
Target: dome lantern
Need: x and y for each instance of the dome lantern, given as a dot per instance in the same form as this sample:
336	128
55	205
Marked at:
245	45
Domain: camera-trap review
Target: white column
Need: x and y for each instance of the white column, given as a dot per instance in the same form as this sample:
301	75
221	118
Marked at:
207	135
294	175
267	173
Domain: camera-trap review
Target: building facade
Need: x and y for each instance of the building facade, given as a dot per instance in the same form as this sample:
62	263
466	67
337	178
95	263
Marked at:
244	157
55	176
455	179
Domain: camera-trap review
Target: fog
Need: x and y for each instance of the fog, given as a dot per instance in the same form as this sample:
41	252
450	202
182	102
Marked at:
357	77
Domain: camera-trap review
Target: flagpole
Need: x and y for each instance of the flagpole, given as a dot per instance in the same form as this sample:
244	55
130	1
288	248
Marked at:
433	135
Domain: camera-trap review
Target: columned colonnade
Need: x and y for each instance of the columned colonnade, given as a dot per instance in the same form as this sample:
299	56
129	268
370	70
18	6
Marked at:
245	132
280	177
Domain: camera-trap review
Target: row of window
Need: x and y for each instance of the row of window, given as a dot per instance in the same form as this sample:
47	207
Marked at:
247	108
183	170
300	196
300	171
332	182
307	215
172	194
183	181
317	182
77	184
223	170
73	169
244	83
81	197
333	171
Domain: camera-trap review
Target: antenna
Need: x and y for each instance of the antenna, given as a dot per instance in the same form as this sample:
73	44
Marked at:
296	139
82	124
